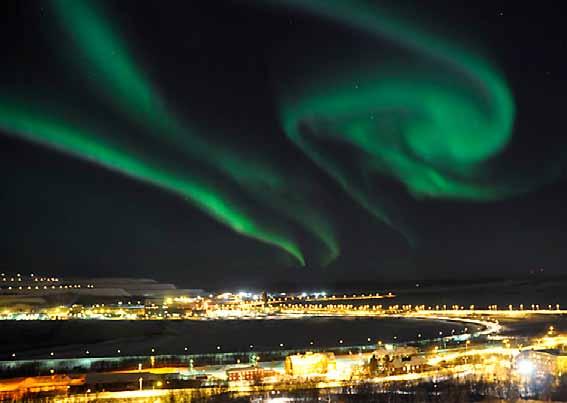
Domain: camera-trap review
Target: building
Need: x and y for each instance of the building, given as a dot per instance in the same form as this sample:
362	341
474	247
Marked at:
397	360
539	363
310	364
250	374
17	388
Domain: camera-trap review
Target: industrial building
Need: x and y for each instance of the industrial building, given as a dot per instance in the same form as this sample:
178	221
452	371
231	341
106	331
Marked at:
310	364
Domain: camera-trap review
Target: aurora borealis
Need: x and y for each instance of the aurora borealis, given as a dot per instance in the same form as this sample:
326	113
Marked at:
433	126
128	91
413	116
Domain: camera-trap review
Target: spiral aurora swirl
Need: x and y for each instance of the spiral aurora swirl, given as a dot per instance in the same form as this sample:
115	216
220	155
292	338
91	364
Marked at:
436	126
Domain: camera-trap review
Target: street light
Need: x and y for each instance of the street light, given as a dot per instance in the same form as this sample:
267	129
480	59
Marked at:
466	350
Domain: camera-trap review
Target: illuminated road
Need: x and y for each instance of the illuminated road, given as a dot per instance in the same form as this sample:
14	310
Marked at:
322	298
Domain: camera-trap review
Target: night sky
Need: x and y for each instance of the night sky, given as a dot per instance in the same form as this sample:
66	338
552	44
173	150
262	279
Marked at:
246	143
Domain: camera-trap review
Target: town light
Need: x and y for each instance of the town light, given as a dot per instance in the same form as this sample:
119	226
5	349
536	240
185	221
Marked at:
525	367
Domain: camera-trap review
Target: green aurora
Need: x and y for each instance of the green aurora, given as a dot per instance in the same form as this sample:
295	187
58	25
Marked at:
436	124
437	127
125	86
92	146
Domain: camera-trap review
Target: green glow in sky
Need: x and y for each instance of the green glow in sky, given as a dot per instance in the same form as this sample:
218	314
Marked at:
118	157
114	76
435	120
436	124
